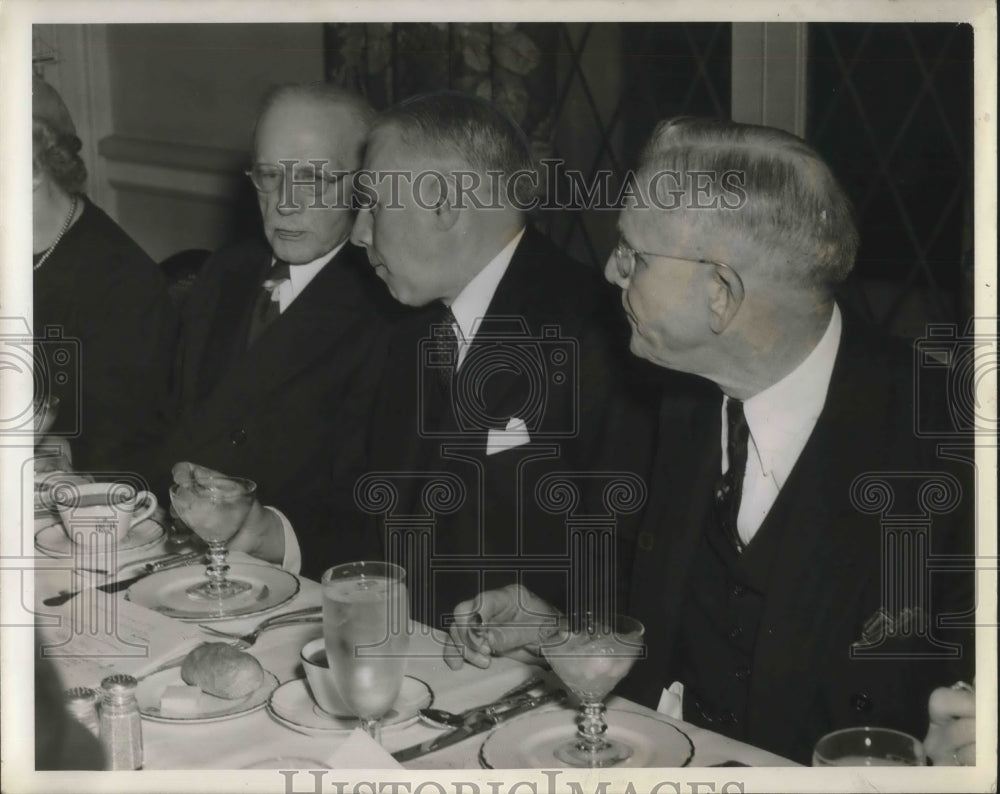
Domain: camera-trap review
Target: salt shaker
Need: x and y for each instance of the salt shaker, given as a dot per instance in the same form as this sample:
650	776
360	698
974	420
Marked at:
81	703
121	725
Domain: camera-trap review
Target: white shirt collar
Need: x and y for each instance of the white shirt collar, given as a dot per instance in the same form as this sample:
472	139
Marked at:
472	302
299	277
782	417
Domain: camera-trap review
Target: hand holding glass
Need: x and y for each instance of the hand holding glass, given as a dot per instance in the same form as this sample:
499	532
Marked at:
215	507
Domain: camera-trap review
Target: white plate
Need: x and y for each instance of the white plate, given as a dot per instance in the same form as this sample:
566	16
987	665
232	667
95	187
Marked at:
292	705
165	592
51	539
528	741
210	708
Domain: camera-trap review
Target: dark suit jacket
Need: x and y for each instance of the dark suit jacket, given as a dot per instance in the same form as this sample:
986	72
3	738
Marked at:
107	305
827	578
289	413
549	352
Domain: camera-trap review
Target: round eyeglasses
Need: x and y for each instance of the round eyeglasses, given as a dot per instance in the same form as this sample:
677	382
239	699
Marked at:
268	177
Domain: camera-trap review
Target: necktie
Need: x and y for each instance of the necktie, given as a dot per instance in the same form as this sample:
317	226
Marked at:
266	307
445	343
729	489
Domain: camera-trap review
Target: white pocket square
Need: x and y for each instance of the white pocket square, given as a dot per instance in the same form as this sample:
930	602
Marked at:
514	435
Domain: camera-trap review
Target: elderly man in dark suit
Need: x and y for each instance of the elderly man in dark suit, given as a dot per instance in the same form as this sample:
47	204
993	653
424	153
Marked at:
278	332
504	379
783	572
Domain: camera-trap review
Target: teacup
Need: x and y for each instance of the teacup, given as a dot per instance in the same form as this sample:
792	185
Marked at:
91	511
320	680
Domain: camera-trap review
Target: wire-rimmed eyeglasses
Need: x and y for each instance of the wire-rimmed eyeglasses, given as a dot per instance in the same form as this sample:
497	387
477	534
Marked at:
268	177
625	256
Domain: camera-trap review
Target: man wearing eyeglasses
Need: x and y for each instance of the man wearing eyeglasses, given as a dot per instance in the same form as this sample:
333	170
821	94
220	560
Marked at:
783	571
278	331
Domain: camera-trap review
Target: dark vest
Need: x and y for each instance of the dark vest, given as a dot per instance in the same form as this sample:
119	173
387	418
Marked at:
720	622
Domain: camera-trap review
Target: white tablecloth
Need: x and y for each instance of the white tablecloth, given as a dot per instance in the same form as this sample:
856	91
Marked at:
239	742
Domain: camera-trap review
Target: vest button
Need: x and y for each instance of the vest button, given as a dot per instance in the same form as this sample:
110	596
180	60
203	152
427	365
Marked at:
646	541
861	701
736	633
238	437
737	590
743	673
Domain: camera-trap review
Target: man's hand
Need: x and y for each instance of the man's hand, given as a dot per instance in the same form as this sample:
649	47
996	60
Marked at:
951	737
261	533
497	622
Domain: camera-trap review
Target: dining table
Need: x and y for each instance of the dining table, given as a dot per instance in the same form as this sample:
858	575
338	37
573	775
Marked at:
261	736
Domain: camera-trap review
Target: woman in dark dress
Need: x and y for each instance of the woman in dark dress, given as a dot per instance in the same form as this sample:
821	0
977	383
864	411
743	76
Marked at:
98	298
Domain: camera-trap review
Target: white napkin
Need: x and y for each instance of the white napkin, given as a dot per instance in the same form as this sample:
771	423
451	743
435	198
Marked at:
514	435
361	751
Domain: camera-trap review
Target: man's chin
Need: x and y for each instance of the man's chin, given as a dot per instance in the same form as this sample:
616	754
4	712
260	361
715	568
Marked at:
294	252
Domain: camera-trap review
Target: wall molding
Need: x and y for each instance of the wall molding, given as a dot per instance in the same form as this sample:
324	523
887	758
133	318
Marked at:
175	169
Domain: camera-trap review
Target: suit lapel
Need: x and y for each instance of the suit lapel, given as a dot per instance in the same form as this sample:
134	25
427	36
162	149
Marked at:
315	322
815	570
226	340
687	464
518	308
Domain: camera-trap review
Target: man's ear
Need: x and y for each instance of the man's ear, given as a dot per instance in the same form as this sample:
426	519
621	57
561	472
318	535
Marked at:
725	297
446	213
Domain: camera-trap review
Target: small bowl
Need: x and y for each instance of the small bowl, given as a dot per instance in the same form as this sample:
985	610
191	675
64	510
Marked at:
321	685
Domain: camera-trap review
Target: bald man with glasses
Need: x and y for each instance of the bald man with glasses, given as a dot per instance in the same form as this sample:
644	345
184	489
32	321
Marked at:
283	333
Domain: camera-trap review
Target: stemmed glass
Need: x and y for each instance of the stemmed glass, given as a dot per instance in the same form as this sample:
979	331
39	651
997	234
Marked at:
591	654
366	633
215	508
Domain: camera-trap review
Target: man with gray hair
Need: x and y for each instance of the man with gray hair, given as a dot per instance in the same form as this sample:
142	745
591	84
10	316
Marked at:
778	596
283	334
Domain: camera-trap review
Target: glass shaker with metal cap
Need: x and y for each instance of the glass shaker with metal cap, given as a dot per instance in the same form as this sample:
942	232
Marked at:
121	725
81	702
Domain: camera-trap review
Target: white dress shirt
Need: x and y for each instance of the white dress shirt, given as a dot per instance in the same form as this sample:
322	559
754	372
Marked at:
781	418
472	302
299	277
469	307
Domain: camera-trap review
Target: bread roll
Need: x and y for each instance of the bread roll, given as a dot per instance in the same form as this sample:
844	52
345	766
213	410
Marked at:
221	670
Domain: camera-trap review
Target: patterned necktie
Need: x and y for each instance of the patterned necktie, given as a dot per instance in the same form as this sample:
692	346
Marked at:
729	488
266	307
446	346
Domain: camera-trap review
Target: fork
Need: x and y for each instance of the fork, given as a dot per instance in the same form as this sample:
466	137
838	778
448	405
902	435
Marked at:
243	641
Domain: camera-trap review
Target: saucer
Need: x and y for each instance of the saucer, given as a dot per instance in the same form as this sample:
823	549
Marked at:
209	707
292	705
165	593
51	540
528	741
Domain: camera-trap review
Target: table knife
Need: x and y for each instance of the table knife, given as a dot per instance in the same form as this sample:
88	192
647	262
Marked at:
476	724
124	584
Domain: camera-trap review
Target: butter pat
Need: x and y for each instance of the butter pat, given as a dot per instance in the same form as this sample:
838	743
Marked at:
180	700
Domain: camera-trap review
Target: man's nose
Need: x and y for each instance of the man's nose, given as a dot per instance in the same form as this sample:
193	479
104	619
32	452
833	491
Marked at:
612	273
289	200
361	232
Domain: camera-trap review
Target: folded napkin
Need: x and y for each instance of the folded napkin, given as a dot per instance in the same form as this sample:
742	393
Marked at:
361	751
